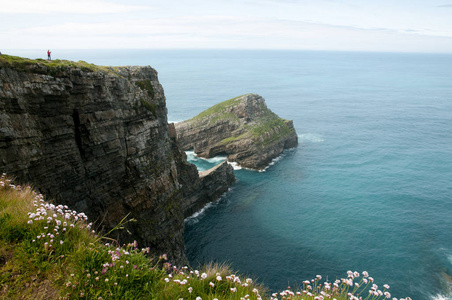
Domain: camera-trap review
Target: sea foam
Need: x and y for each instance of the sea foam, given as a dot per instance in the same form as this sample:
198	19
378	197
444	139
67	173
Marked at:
311	137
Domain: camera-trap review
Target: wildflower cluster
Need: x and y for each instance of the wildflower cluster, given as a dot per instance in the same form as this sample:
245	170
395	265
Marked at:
354	287
110	272
6	182
54	222
208	284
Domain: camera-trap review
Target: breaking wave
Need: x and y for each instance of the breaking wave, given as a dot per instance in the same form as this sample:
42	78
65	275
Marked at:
311	137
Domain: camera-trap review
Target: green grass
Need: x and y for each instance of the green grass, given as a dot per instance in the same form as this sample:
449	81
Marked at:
150	106
218	110
146	85
50	67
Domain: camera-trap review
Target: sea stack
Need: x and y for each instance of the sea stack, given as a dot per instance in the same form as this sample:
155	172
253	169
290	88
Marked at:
243	128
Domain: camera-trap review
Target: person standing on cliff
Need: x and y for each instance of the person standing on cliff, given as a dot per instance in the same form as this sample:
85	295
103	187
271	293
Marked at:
48	55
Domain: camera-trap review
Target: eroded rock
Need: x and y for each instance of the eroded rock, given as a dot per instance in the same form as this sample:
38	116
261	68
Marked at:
243	128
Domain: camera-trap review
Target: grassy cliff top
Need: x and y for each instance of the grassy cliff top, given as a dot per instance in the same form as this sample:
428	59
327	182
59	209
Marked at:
251	112
218	110
49	66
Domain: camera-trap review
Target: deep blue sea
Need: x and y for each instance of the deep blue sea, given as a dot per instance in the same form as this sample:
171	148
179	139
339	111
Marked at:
369	186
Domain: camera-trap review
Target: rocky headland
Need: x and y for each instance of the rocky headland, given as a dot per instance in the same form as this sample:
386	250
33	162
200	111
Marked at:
243	128
97	139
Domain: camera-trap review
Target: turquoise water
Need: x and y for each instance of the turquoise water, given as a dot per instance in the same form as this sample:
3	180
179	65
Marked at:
369	186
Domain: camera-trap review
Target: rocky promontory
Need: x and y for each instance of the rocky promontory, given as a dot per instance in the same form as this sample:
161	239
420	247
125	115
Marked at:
243	128
97	139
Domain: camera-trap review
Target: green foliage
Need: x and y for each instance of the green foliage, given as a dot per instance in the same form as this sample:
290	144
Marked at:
269	129
150	106
146	85
219	110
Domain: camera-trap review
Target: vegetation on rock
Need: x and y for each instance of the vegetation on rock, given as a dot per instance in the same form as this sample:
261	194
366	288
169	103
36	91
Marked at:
51	67
243	128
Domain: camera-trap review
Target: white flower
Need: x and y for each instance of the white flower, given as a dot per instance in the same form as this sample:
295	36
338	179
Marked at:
198	298
203	275
219	278
190	289
233	289
211	284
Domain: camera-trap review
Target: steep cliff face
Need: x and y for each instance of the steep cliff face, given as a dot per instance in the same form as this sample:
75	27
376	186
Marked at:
243	128
97	139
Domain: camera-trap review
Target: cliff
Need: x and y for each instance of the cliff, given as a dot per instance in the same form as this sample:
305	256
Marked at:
97	139
243	128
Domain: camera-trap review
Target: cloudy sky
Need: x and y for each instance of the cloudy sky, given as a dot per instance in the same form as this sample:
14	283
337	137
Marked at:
357	25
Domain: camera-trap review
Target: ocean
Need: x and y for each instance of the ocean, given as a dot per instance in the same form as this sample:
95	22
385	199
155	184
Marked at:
369	187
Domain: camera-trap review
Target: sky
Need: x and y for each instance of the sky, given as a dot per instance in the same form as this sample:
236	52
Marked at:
338	25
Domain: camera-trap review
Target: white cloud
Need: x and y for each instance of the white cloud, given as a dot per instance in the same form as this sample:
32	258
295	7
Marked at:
221	32
66	6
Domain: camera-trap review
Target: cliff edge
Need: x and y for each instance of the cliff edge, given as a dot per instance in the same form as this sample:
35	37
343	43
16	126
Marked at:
97	139
243	128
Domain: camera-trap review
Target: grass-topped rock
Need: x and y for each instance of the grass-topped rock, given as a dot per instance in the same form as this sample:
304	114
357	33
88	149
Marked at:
243	128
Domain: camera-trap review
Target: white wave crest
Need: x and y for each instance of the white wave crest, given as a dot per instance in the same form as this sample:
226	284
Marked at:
311	137
441	297
235	165
197	215
194	218
191	156
273	162
216	159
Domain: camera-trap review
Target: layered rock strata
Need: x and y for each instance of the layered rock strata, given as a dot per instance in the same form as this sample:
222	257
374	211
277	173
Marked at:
243	128
97	139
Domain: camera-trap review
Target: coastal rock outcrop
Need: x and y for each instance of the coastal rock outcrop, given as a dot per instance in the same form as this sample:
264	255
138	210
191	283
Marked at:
97	139
243	128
